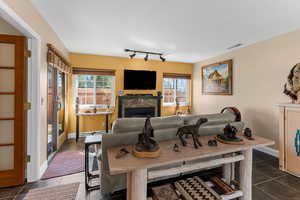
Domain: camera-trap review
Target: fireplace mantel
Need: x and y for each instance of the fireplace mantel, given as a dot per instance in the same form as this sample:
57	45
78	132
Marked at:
139	101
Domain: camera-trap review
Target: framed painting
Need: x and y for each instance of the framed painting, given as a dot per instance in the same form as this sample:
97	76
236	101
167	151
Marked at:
217	78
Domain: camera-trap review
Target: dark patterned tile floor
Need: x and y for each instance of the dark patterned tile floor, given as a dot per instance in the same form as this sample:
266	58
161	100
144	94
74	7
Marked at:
269	183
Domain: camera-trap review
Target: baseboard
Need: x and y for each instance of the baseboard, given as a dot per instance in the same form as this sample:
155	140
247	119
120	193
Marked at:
43	168
268	150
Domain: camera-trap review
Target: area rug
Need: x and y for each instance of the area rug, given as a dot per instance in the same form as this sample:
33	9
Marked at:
65	163
61	192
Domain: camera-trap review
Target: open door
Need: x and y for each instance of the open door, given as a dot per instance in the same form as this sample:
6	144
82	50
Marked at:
13	90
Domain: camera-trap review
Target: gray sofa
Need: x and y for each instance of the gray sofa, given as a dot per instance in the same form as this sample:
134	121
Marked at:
125	131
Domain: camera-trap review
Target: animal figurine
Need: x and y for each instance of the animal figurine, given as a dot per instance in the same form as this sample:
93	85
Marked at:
191	130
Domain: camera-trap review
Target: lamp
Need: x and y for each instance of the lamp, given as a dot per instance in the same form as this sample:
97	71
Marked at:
145	52
162	58
146	57
132	55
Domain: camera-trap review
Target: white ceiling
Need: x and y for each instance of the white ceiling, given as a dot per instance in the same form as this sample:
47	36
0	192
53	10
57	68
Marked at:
185	30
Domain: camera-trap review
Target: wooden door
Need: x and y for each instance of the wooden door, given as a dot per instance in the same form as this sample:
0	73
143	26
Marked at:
292	125
12	111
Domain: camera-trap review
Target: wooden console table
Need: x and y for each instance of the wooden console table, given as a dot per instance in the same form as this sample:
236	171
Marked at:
90	114
137	168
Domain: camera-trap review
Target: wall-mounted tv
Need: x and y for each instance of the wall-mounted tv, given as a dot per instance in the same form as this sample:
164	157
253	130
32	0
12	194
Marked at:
139	80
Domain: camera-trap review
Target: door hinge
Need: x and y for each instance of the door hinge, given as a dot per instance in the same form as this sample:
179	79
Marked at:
28	158
27	106
28	53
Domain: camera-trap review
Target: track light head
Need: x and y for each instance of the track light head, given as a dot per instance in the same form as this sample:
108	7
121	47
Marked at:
132	55
162	58
146	57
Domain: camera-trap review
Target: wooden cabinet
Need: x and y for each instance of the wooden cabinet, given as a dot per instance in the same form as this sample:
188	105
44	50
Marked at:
289	124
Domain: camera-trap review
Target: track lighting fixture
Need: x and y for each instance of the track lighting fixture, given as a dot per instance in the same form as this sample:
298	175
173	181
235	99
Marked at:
145	52
132	55
162	58
146	57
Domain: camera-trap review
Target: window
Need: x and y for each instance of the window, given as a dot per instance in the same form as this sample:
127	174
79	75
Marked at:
176	89
61	90
95	90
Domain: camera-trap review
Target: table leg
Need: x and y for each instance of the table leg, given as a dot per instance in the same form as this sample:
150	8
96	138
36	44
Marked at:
77	127
137	185
86	166
246	175
227	171
106	123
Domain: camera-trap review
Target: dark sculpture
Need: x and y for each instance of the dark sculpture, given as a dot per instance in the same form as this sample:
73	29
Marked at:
146	141
176	148
212	143
230	131
248	134
229	134
191	130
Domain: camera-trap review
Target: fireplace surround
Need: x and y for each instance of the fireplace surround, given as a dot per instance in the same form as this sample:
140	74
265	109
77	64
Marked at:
139	105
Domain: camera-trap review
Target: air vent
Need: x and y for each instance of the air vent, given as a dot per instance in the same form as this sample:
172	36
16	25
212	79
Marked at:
235	46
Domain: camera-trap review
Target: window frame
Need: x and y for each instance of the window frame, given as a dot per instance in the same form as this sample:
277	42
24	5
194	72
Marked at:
89	106
172	104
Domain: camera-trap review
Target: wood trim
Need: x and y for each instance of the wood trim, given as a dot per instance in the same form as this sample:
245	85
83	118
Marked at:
7	119
7	93
11	68
7	144
55	58
89	71
16	176
178	76
230	65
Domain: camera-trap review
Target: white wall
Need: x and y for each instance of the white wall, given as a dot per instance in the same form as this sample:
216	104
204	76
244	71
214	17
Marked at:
259	73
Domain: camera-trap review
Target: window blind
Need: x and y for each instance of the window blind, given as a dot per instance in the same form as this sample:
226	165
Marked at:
178	76
89	71
55	58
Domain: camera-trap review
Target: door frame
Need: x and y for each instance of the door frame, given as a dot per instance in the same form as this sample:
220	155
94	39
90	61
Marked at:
33	169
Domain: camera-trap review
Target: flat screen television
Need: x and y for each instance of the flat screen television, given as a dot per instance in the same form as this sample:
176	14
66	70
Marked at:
139	80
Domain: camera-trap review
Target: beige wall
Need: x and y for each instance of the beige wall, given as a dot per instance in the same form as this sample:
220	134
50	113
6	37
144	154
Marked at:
31	16
259	73
7	29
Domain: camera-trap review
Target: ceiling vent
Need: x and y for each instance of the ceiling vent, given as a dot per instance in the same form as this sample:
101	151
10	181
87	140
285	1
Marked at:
235	46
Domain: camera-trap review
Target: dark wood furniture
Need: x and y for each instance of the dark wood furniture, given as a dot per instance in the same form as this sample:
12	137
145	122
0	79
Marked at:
90	140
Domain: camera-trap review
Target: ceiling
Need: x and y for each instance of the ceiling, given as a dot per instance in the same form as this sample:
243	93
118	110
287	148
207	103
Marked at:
184	30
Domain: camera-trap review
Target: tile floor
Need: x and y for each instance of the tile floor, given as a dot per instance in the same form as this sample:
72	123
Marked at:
269	183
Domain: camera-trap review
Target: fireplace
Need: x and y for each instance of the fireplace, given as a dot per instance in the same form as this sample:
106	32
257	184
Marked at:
139	106
140	112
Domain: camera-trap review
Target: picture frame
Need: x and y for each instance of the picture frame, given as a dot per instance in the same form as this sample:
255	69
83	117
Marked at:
217	78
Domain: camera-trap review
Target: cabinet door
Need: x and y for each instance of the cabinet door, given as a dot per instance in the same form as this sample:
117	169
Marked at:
292	125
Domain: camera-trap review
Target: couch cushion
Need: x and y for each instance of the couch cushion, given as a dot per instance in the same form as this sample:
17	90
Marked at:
136	125
217	118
